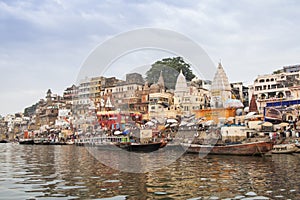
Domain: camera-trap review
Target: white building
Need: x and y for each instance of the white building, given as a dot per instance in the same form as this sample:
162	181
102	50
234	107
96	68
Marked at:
281	85
220	88
190	97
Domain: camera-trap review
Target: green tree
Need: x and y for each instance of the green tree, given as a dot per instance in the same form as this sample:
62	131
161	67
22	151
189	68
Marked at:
170	68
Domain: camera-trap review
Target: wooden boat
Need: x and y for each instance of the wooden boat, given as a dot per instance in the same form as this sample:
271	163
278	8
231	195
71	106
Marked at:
141	147
244	149
26	141
41	141
284	149
298	148
70	142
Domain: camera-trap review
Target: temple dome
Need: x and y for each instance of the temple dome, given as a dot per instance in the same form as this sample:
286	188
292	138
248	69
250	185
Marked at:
181	85
220	89
220	81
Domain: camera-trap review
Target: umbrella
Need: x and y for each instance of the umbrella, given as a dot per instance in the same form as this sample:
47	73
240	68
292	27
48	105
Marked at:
209	123
191	118
154	121
190	124
117	133
171	121
126	132
250	114
267	124
283	124
150	123
183	123
174	125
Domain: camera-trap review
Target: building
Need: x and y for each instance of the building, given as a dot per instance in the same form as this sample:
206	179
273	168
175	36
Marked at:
220	89
47	110
190	96
70	95
126	94
89	90
222	105
240	92
160	101
93	94
280	86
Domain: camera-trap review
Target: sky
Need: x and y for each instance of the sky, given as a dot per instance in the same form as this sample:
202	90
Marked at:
44	43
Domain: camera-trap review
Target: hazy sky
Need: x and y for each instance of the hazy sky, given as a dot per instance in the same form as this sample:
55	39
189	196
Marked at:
44	43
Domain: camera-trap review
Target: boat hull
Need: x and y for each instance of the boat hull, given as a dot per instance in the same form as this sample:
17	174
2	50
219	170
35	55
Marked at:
284	149
247	149
138	147
27	142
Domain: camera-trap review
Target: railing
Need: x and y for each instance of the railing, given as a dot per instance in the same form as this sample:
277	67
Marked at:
92	141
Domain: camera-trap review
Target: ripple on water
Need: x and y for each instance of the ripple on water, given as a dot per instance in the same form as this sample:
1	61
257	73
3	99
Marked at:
70	187
111	181
256	198
160	193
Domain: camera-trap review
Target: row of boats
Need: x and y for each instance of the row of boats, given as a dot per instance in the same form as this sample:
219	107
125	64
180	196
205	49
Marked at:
115	142
242	149
112	143
185	142
42	141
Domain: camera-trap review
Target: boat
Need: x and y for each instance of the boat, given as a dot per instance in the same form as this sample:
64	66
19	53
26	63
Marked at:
41	141
141	147
298	148
70	142
119	143
4	141
284	149
26	141
242	149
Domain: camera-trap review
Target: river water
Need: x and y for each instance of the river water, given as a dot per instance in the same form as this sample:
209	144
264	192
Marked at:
70	172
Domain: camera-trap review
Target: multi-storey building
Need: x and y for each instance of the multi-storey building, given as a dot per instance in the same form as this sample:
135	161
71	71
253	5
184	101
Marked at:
47	111
240	92
190	97
279	86
125	94
70	95
89	90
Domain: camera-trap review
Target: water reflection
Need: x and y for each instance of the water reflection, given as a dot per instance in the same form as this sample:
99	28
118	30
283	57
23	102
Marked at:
70	172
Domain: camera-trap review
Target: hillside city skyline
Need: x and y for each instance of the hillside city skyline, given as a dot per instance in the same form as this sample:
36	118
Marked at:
54	91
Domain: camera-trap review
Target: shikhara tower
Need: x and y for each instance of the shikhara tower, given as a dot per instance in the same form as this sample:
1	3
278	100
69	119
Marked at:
220	88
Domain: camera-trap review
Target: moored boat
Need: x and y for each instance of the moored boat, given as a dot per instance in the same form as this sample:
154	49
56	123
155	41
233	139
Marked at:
284	149
141	147
298	148
243	149
26	141
70	142
4	141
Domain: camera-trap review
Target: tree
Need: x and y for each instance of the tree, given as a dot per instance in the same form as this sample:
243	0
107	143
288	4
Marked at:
170	68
